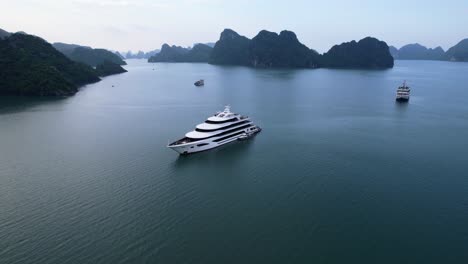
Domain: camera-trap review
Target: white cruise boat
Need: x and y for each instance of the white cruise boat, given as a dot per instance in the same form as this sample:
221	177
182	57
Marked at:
217	130
403	93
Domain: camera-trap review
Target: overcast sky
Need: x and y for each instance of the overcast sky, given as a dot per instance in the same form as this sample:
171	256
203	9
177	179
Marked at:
147	24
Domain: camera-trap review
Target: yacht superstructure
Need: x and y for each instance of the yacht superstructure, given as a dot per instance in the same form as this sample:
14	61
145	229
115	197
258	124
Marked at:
219	129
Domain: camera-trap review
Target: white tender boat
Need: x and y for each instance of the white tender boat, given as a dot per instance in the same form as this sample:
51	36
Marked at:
217	130
199	82
250	133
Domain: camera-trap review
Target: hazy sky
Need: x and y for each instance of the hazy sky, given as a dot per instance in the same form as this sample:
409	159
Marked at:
147	24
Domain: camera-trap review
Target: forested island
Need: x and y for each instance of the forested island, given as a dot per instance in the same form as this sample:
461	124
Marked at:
107	68
284	50
30	66
366	53
458	52
88	55
4	34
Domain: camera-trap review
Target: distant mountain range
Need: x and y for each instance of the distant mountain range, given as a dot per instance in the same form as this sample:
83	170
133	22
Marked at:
269	49
139	55
417	51
30	66
199	53
146	55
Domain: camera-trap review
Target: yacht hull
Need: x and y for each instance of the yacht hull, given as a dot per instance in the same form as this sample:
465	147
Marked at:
402	100
201	145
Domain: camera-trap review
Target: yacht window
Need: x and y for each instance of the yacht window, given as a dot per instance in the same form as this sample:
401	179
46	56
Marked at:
240	129
220	134
220	122
226	137
222	128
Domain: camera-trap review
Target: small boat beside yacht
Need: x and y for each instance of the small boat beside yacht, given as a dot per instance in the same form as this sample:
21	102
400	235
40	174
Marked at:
200	82
250	133
221	128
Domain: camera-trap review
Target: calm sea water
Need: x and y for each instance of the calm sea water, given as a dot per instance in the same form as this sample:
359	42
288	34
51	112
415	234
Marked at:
340	173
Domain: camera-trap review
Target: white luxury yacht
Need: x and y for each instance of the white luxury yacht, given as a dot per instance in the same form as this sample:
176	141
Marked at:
219	129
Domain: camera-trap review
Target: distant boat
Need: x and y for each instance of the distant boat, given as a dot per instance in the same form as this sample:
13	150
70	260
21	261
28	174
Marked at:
403	93
200	82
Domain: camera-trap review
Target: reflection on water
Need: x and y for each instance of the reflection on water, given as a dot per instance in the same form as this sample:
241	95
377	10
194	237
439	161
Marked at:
279	74
12	104
401	109
401	105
